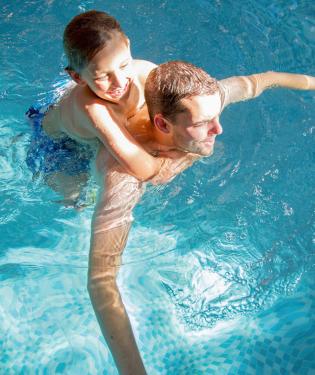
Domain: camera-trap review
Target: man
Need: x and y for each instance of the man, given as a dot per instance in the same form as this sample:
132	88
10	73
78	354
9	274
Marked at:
184	105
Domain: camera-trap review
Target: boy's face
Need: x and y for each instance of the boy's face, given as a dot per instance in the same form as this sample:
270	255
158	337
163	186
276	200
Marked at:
110	72
195	129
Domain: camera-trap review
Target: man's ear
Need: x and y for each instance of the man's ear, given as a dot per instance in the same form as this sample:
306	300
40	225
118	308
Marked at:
75	76
161	123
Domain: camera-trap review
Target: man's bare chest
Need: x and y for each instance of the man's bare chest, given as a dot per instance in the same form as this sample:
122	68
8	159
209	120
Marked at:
139	125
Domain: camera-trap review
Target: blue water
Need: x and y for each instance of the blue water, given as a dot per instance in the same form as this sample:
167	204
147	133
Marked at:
218	273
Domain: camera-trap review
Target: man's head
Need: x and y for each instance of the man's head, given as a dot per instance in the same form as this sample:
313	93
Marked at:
98	53
184	105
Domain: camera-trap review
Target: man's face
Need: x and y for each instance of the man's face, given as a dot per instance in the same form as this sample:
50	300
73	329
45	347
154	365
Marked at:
110	72
195	129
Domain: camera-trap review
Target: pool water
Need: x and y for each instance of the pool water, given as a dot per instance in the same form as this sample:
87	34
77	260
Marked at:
218	273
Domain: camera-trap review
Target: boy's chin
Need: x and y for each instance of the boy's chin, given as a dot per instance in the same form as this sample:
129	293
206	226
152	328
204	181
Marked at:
111	99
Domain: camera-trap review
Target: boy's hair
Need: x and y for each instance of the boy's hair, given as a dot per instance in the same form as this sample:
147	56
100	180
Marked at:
170	82
86	34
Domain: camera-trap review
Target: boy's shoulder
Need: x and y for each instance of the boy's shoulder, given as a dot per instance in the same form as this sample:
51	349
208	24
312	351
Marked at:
83	110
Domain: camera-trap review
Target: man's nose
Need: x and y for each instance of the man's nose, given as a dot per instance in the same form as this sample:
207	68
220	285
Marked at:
215	127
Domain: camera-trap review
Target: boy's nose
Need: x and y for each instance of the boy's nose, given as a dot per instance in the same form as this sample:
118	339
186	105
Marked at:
119	79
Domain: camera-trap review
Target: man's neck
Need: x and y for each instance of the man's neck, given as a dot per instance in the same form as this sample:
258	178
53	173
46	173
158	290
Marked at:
164	140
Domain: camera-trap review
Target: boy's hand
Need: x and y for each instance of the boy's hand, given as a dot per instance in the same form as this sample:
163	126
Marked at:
172	166
172	154
158	150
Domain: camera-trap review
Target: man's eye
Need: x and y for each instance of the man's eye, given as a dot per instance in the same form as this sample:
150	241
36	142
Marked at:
124	66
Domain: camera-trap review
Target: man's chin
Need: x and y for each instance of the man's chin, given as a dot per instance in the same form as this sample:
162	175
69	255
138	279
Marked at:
201	151
206	152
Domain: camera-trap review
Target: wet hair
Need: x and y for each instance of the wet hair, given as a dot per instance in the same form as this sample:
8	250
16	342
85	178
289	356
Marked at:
170	82
86	34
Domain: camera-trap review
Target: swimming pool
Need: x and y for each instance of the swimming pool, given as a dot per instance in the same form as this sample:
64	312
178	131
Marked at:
218	274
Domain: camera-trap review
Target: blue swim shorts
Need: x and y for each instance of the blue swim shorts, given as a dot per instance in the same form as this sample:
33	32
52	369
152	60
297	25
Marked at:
46	155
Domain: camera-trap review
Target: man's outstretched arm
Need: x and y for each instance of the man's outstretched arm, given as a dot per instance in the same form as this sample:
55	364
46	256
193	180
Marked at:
238	88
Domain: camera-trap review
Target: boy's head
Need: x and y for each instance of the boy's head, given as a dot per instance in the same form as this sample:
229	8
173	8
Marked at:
99	55
86	34
184	105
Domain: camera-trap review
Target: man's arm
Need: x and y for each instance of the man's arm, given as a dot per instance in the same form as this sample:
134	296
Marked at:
119	193
106	249
124	148
235	89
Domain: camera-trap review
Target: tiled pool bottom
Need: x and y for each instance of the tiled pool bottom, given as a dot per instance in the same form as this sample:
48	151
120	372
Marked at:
53	330
279	340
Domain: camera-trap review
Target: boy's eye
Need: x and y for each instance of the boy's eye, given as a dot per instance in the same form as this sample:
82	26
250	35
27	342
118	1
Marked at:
102	78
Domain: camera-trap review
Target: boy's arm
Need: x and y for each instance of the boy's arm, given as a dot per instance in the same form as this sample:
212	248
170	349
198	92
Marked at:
235	89
123	147
120	143
131	156
172	167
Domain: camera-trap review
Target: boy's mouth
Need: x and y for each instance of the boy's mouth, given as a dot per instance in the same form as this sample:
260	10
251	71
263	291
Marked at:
119	92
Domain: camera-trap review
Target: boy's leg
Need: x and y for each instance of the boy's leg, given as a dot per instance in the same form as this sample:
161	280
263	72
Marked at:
70	187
